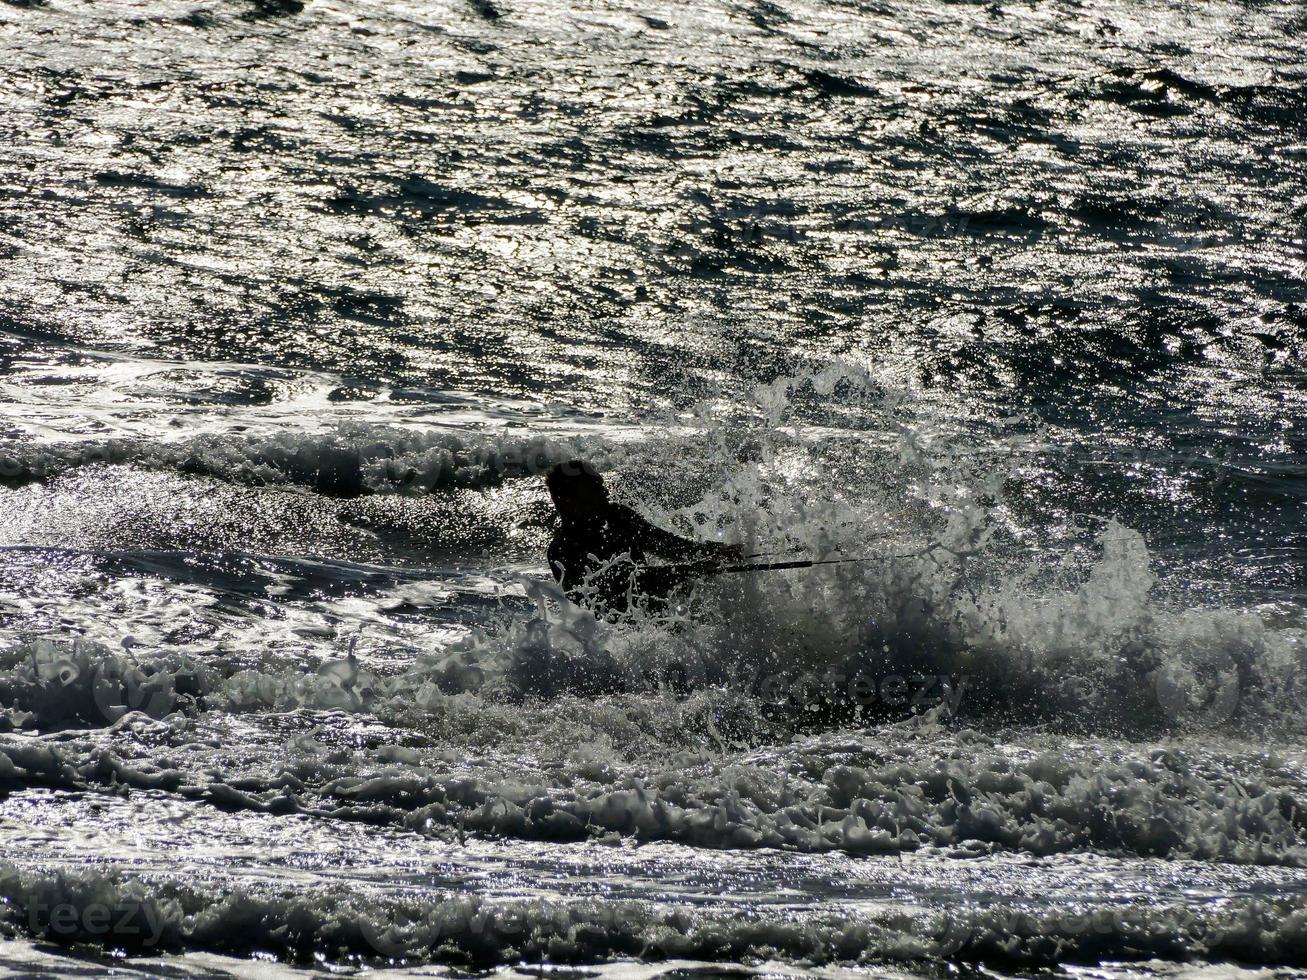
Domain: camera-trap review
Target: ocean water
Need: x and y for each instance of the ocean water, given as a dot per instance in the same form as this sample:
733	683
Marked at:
299	300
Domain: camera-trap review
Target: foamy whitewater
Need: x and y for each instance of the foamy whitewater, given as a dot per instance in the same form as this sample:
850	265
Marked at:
1004	300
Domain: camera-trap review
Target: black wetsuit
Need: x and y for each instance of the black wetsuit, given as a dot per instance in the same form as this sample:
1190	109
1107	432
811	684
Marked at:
581	550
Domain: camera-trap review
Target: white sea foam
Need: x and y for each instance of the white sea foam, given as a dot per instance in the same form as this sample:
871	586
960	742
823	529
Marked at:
127	913
352	458
885	790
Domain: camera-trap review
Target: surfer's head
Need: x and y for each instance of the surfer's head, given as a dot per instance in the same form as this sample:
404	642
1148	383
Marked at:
576	488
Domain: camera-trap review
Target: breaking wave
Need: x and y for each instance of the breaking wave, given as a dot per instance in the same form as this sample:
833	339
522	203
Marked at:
354	458
472	931
941	592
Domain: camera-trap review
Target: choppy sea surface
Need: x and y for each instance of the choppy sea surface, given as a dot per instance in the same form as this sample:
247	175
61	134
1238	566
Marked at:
300	298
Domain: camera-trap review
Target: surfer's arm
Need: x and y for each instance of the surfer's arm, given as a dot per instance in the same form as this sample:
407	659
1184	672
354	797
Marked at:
648	537
557	562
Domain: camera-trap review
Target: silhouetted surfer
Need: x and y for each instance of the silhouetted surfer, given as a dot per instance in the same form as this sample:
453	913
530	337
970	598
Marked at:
600	555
